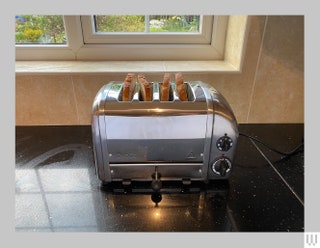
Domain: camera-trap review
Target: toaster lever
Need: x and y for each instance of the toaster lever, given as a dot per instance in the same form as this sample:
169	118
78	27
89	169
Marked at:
156	184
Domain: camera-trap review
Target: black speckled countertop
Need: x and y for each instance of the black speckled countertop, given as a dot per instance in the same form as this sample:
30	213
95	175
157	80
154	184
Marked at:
57	190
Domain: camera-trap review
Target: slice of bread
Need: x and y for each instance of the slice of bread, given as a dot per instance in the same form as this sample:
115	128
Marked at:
165	87
181	88
129	85
145	88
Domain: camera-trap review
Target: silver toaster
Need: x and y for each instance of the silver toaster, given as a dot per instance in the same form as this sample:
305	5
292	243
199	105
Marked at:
136	140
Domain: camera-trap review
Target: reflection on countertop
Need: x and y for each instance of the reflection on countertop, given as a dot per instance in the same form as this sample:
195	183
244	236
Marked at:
57	189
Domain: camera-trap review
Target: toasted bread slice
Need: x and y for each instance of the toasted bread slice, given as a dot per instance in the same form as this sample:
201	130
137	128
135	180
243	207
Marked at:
128	87
181	88
145	88
165	87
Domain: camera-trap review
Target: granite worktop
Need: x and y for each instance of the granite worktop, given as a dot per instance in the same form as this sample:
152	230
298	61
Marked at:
57	189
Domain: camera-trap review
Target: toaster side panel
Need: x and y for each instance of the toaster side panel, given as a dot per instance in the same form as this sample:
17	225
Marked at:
224	138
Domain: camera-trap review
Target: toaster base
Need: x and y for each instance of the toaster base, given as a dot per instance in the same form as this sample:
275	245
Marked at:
167	171
216	186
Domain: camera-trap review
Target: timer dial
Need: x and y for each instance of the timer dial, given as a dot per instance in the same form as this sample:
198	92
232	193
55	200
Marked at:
224	143
221	166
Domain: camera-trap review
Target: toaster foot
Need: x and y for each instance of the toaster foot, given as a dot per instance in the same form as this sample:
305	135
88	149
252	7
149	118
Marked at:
156	197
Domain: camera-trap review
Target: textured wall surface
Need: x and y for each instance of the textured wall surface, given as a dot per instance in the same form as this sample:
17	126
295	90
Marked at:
269	89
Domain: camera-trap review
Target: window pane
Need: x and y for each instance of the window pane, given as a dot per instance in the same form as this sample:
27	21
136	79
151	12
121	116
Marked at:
40	29
174	23
120	23
149	24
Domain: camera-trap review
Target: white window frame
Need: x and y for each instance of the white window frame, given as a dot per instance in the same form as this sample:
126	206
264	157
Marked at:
77	48
92	37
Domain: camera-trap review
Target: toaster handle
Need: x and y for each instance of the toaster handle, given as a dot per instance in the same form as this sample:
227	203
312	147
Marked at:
156	184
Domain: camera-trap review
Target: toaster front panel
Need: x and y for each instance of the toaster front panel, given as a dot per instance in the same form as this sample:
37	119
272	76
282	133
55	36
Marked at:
141	139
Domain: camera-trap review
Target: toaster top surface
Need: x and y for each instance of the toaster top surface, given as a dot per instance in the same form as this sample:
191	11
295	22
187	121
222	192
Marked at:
109	100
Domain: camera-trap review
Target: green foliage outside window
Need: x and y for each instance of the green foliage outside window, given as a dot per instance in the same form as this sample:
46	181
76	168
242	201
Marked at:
175	23
48	29
120	23
136	23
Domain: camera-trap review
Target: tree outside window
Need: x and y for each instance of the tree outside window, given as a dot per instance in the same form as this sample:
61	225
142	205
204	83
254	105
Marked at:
39	29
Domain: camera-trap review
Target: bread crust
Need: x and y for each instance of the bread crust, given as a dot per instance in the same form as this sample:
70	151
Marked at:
165	88
182	93
145	87
129	84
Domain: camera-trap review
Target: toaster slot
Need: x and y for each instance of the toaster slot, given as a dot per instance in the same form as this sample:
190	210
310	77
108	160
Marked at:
189	90
145	92
155	92
171	97
118	90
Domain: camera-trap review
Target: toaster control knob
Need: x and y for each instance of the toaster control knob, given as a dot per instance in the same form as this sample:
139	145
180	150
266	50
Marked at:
221	166
224	143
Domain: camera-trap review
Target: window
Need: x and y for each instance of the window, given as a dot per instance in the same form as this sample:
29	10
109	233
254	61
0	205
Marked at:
85	38
38	29
147	23
147	29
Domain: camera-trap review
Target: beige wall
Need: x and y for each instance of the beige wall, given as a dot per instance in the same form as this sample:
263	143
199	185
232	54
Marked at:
270	88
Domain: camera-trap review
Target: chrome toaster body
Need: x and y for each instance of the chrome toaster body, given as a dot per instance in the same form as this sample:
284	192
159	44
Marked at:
191	140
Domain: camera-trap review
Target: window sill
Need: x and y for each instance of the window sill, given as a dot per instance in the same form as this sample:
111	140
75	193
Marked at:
97	67
232	62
